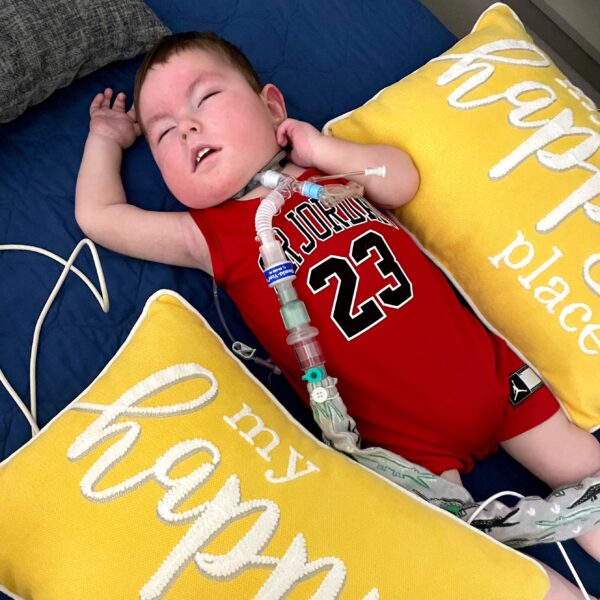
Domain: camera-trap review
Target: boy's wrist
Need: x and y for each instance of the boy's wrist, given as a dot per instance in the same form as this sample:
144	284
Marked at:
326	154
106	141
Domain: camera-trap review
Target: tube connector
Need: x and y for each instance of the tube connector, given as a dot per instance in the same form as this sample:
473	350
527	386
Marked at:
309	354
272	253
379	171
272	179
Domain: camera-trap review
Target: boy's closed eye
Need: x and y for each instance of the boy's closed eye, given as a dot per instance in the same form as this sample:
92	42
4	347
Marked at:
202	100
162	135
206	97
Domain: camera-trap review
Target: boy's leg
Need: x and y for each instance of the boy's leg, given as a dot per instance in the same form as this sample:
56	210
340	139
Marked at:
559	453
560	588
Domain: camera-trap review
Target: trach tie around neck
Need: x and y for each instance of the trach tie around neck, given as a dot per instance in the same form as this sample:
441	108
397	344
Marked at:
275	164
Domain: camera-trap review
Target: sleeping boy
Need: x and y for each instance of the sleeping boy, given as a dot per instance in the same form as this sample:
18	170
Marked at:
418	372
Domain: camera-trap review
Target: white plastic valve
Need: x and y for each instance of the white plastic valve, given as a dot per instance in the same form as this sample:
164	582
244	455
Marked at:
379	171
271	179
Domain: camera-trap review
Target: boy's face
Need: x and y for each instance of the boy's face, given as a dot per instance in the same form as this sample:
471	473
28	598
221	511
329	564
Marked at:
208	130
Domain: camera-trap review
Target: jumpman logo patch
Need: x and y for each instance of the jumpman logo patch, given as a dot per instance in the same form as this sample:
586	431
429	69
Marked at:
523	383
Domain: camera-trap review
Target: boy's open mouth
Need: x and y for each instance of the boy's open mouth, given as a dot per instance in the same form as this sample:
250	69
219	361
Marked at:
200	153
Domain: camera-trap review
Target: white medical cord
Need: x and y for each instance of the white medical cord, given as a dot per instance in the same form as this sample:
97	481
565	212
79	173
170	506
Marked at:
241	349
11	391
560	546
101	297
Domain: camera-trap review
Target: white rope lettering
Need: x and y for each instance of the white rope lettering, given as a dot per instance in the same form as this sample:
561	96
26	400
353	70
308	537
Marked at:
518	255
292	472
209	518
105	427
480	62
265	453
293	568
259	428
592	260
224	509
526	99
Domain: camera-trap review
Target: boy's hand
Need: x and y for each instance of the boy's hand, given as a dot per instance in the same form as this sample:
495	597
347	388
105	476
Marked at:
113	123
303	138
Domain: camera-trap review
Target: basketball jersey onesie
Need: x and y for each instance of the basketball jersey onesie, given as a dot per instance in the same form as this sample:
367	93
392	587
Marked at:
418	372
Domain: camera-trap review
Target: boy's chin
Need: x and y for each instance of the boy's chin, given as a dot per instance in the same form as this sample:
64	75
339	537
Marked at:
207	200
204	203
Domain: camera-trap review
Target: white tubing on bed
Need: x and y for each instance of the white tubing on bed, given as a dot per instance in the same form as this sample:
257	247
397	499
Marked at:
11	391
101	296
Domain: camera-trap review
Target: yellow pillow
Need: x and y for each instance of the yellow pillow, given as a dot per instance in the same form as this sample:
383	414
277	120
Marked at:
508	155
176	475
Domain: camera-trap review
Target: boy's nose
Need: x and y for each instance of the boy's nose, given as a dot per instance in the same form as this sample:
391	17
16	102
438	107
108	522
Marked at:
187	127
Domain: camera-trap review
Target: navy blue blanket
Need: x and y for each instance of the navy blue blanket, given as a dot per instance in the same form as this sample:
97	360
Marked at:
327	57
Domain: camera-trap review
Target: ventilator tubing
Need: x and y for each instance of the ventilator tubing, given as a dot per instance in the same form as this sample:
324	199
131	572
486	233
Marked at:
567	512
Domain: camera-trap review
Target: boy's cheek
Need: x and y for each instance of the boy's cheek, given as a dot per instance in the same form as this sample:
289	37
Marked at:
153	151
162	159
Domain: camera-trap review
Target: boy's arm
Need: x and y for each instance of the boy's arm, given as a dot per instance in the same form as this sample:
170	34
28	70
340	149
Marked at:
332	155
101	207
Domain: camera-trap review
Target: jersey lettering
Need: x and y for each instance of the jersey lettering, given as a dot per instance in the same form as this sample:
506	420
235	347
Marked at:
350	319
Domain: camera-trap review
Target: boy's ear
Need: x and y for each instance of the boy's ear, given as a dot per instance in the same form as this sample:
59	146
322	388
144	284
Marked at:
275	102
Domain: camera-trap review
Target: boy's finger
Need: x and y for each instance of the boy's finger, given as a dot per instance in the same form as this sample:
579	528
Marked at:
282	137
106	98
131	114
96	102
136	126
119	103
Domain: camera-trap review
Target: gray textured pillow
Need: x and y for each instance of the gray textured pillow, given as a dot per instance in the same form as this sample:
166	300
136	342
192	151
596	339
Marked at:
45	44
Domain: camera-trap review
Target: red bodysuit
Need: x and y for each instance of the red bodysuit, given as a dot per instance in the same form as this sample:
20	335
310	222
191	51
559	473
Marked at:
416	369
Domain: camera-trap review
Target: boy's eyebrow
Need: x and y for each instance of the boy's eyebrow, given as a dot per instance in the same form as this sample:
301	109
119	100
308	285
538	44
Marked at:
188	93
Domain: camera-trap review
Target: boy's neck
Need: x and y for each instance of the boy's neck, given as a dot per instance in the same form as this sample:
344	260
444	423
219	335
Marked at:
276	164
289	169
293	169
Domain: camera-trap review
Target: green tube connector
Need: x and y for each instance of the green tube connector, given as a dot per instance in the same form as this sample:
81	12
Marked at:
314	375
294	314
